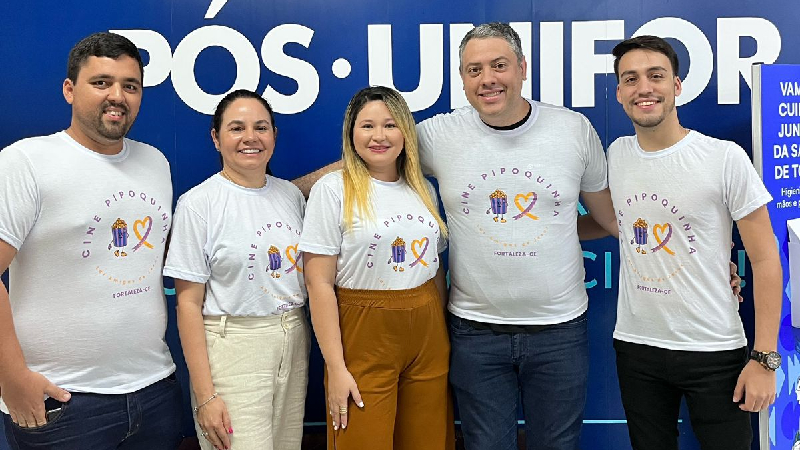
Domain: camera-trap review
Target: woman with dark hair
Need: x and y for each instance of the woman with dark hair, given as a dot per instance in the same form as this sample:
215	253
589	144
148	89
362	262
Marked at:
240	288
372	240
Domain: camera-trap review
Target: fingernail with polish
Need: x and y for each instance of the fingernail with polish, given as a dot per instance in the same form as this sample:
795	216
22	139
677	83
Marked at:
230	430
361	404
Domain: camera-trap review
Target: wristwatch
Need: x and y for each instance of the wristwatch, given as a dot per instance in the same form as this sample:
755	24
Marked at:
770	360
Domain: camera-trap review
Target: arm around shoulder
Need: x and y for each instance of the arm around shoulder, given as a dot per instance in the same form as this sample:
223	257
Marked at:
306	182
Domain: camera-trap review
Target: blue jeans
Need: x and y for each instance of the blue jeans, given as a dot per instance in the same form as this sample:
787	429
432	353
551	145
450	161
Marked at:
490	371
652	381
148	419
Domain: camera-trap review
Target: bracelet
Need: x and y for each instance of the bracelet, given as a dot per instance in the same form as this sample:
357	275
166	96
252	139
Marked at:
197	408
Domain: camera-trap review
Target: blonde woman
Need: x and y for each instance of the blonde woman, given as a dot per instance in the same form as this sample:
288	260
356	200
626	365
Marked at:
371	239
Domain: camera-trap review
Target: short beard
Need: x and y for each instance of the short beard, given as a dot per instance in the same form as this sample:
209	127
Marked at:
652	122
113	134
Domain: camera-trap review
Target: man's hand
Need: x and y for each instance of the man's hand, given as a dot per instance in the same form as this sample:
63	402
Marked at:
24	394
756	385
736	282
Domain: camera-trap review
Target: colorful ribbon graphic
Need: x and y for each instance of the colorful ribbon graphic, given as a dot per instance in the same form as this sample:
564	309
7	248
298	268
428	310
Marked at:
292	260
662	244
525	211
419	256
148	222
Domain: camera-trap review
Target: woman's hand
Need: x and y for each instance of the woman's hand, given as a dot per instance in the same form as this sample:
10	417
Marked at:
216	423
341	386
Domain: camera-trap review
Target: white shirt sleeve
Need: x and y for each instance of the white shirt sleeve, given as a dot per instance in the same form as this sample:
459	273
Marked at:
595	177
19	192
322	225
187	258
425	146
744	190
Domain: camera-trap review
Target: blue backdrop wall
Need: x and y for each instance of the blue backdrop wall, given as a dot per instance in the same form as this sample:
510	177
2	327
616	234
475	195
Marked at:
309	57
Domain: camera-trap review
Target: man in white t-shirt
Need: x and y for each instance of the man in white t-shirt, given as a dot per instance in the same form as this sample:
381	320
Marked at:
510	173
676	193
83	227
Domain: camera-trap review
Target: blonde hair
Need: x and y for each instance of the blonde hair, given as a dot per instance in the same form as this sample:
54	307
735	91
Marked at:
357	180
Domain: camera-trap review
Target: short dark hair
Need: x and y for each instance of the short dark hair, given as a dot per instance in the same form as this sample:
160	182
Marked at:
645	42
230	97
492	30
103	44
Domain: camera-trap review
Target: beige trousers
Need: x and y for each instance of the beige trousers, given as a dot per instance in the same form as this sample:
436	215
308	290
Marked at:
259	366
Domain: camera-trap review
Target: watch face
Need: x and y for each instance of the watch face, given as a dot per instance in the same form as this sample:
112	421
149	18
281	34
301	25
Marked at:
773	360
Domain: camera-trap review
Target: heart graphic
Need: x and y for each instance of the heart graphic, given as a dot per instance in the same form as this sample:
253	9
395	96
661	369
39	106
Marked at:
148	223
663	228
294	258
525	212
423	243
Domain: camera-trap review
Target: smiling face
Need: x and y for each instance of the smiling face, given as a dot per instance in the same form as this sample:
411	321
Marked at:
378	140
246	137
105	99
647	88
493	78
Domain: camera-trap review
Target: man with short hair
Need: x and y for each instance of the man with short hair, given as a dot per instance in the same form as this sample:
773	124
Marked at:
510	172
84	220
676	193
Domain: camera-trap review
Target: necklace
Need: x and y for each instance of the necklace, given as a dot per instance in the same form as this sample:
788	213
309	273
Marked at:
228	177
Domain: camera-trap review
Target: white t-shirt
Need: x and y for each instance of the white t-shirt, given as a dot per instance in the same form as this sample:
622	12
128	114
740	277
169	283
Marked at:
85	286
511	200
242	243
398	250
675	209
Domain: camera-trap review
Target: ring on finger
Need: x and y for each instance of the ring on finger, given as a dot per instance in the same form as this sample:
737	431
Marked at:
343	410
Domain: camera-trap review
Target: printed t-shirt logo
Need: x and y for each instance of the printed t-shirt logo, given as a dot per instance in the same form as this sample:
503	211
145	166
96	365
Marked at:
130	225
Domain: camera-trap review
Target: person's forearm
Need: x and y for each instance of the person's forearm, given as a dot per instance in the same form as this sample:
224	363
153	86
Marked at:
589	229
12	361
601	220
306	182
767	282
325	320
193	341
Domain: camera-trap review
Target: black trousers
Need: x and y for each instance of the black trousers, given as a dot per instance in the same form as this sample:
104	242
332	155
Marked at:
652	381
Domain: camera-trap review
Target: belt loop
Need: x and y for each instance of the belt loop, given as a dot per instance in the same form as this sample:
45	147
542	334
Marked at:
222	321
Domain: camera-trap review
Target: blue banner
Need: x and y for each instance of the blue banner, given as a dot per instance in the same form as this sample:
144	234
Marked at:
777	157
309	57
